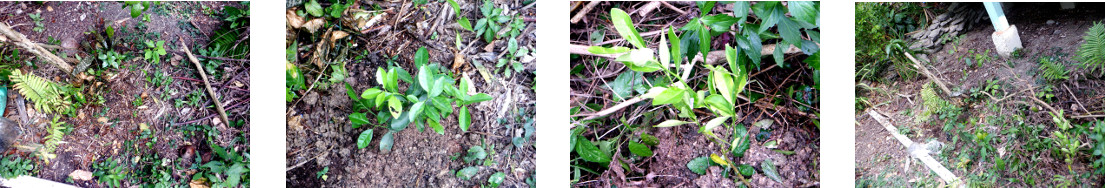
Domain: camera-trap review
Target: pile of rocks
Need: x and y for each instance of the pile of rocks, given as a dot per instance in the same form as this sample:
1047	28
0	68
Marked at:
959	18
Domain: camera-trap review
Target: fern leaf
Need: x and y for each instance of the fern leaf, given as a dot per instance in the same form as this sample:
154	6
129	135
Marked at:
1092	52
1052	70
44	93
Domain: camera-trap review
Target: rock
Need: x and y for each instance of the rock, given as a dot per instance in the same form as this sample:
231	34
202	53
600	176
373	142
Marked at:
1056	32
81	175
1050	22
933	33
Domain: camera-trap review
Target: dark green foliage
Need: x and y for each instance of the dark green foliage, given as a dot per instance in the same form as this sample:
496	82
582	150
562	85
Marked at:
13	166
875	37
1092	52
1052	70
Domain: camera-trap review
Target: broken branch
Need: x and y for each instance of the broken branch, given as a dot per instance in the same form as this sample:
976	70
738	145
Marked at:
11	36
199	68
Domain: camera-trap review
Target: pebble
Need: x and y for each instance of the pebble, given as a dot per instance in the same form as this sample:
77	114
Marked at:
1051	22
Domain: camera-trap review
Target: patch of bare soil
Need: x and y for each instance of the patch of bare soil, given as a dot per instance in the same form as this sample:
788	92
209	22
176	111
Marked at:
1046	31
320	137
678	145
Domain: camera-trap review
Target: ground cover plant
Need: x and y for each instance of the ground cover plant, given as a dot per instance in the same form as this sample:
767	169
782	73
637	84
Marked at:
112	100
714	94
1029	119
422	93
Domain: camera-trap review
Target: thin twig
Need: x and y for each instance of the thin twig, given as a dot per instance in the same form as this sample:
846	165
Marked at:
583	12
199	68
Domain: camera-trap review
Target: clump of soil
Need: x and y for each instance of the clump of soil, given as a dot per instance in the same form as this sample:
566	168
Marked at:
321	138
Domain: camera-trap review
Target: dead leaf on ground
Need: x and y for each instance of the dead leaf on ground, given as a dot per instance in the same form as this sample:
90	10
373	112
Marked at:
458	61
313	25
294	20
81	175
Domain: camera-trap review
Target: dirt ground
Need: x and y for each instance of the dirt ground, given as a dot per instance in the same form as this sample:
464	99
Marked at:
320	136
111	131
879	156
679	145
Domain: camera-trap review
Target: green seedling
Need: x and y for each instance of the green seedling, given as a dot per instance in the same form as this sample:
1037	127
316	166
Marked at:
154	51
489	25
37	18
136	7
463	21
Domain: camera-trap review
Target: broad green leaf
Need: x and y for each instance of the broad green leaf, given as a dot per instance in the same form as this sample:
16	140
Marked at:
770	12
456	7
395	106
416	110
364	139
724	83
386	142
704	41
746	170
741	142
425	77
699	165
358	119
671	123
669	96
676	53
814	62
804	11
740	10
605	50
496	179
465	118
294	79
464	23
640	149
467	173
393	81
381	98
648	139
436	126
370	94
665	56
788	29
710	125
625	28
421	57
312	7
512	46
401	122
814	36
590	152
719	105
719	22
778	54
653	92
439	86
381	76
704	7
768	167
751	45
624	85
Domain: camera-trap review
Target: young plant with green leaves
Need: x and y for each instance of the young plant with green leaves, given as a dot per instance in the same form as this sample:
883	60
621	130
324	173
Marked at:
154	51
492	21
724	85
37	18
430	97
463	21
136	7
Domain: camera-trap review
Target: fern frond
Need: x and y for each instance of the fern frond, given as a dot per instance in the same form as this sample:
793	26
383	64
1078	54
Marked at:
932	102
44	93
53	138
1052	70
1092	52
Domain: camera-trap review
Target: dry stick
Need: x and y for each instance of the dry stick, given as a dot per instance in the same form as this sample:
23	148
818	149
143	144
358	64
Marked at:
1076	100
11	36
199	68
923	155
209	57
584	11
676	9
925	71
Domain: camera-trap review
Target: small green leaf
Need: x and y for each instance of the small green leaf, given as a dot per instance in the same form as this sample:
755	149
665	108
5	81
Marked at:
364	139
425	77
416	110
358	119
669	96
699	165
677	54
671	123
421	57
704	41
625	28
804	11
768	167
648	139
512	46
665	56
438	87
770	12
386	142
312	7
788	29
395	106
710	125
496	179
370	94
640	149
436	126
456	7
590	152
464	23
746	170
719	22
741	142
467	173
465	118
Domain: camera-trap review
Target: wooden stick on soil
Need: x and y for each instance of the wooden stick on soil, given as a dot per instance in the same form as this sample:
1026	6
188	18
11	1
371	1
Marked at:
922	154
199	68
13	37
584	11
713	58
925	71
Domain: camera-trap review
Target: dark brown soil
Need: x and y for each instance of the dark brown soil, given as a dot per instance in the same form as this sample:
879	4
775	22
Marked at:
111	130
879	156
320	136
679	145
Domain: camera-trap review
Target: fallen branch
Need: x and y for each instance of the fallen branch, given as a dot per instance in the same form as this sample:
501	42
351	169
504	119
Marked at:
11	36
199	68
925	71
583	12
209	57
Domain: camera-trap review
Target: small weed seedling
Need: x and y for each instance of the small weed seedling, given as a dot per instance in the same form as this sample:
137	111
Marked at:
39	26
489	25
13	166
136	7
154	51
